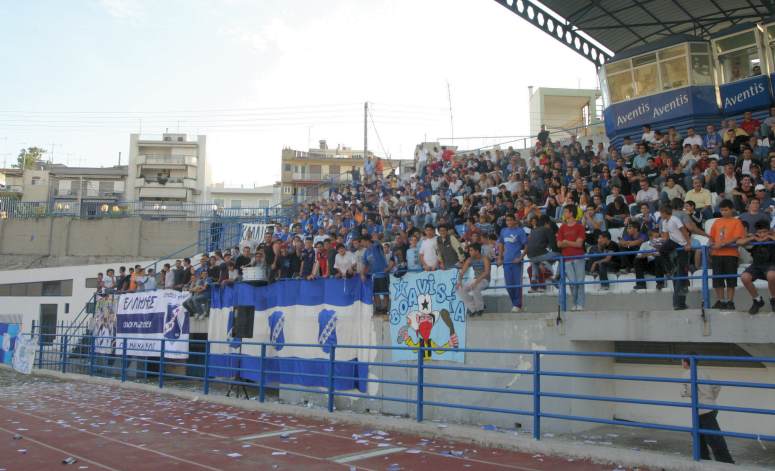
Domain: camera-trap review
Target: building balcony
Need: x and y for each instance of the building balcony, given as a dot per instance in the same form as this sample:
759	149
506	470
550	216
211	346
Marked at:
171	182
166	161
89	195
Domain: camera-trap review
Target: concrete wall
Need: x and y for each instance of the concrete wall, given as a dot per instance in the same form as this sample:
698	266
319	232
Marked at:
28	307
581	332
498	331
68	237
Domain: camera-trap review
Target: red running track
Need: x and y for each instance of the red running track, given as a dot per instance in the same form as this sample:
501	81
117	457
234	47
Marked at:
106	427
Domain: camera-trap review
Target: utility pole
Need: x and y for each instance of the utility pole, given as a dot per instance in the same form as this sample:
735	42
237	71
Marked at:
451	123
365	130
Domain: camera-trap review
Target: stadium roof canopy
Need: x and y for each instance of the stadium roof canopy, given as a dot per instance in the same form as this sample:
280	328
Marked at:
600	29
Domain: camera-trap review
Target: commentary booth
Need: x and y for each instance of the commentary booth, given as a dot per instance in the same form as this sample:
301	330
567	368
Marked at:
687	82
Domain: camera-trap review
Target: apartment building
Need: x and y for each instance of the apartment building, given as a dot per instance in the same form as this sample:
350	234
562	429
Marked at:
167	169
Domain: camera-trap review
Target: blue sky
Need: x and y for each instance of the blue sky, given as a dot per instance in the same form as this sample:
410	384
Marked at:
79	76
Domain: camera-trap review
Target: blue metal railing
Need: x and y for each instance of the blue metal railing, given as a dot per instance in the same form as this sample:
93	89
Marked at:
58	354
562	282
12	208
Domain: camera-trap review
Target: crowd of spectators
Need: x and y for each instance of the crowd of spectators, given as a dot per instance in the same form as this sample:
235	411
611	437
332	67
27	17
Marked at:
502	207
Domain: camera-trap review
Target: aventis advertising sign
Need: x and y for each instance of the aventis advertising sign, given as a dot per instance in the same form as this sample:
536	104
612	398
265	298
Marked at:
660	107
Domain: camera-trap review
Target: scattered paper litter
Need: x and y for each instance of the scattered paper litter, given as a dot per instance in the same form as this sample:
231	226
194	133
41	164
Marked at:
69	460
649	441
22	450
550	435
383	445
233	455
413	451
279	453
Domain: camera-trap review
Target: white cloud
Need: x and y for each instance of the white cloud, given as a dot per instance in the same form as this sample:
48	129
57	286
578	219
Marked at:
121	8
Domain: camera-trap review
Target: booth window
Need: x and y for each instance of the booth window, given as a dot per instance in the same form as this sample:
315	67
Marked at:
621	87
670	68
702	74
737	56
644	70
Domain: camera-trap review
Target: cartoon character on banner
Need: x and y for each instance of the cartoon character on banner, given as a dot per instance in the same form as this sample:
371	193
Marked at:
327	329
277	329
422	322
174	321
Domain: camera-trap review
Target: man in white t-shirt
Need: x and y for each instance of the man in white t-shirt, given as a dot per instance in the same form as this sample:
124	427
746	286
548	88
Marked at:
648	135
673	254
692	138
429	250
628	148
344	262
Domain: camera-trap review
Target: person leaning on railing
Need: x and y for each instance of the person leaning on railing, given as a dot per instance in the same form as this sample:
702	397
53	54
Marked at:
763	267
673	256
200	295
471	291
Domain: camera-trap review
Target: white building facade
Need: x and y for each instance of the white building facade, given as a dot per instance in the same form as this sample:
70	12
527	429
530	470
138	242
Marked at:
172	169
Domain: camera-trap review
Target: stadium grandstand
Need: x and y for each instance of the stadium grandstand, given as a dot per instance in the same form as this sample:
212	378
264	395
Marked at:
572	287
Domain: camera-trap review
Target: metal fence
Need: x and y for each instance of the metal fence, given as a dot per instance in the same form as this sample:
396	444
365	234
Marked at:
88	354
663	270
11	208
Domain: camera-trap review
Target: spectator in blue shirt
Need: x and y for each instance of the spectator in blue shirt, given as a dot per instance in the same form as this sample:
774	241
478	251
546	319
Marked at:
413	255
376	266
511	245
712	140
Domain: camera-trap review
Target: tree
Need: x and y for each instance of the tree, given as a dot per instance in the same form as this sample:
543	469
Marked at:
29	157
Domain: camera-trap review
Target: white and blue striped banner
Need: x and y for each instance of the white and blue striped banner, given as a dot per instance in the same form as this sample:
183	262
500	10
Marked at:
321	313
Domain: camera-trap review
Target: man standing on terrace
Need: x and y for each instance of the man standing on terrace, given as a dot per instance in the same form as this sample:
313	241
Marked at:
724	234
570	241
707	394
511	246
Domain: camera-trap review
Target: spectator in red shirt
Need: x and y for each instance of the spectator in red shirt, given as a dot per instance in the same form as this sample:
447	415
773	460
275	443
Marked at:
570	241
321	261
750	125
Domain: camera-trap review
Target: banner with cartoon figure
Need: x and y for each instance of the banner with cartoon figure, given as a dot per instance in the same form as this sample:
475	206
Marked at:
425	311
146	318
